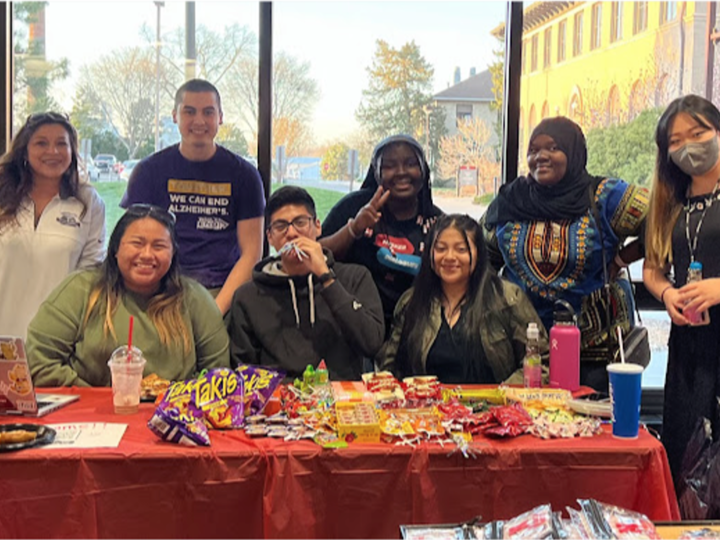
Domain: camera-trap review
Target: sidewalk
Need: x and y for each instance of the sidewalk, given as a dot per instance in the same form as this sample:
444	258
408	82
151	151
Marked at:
460	205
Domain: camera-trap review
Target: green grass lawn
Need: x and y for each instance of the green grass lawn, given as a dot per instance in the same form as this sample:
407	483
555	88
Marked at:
112	192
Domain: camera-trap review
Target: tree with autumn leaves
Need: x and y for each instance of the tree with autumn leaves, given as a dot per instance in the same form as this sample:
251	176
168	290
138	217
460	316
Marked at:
398	98
470	147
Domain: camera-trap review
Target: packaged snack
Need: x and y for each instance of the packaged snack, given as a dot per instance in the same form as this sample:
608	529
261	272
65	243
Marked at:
513	421
433	533
620	522
535	523
219	395
182	424
259	385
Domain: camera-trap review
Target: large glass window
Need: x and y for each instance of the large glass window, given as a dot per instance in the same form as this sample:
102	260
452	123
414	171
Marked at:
362	76
117	73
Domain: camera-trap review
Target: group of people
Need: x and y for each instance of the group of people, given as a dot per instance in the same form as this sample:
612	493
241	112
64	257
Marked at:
386	280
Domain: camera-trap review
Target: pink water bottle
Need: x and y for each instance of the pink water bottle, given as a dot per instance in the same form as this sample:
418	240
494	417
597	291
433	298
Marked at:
564	348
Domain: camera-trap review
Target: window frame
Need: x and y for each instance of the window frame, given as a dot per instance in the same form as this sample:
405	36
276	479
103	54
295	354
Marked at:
596	26
578	23
547	47
616	22
562	37
640	17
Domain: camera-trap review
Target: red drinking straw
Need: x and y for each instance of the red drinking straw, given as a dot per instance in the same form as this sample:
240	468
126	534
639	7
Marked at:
130	332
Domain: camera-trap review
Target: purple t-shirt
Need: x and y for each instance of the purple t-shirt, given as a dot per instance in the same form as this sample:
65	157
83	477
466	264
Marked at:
208	198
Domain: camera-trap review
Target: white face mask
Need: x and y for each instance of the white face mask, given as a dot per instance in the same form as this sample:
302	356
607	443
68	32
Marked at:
695	159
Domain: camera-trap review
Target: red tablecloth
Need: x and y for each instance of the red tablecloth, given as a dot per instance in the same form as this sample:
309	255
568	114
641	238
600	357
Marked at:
265	488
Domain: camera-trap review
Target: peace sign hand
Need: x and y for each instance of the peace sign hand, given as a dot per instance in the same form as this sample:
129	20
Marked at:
370	214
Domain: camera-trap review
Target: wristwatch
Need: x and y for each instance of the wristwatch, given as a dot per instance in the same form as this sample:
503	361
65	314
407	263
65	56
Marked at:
322	279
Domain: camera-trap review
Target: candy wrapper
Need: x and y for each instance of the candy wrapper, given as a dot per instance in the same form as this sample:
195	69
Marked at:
180	423
260	383
607	521
513	420
219	394
533	524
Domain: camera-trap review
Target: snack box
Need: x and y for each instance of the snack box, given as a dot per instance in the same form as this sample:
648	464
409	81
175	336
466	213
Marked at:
357	422
351	391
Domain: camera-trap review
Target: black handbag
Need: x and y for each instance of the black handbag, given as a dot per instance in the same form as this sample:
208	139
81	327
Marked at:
636	343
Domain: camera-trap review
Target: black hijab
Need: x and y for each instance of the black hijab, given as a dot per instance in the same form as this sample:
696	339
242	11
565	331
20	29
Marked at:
525	199
373	179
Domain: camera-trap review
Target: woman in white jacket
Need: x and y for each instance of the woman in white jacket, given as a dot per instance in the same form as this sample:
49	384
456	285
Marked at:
50	222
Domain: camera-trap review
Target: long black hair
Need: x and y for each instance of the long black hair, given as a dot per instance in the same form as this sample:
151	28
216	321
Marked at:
16	177
484	293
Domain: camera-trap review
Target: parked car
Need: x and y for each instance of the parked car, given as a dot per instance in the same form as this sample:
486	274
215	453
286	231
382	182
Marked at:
127	168
88	171
105	163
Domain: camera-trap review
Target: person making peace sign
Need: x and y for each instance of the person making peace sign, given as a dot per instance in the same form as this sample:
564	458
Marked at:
383	225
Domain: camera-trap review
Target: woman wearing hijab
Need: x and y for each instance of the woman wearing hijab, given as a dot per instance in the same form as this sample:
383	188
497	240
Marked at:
383	225
542	228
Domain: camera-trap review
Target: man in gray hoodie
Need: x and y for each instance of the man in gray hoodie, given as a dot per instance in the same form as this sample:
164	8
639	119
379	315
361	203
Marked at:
301	306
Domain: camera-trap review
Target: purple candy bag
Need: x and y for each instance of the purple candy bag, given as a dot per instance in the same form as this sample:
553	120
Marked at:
260	383
179	423
219	394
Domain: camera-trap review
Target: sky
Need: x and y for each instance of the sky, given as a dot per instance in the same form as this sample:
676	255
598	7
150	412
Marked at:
337	38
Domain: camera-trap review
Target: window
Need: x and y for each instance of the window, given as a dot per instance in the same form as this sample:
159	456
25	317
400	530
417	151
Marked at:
596	30
117	81
616	21
547	47
668	11
463	112
562	30
524	57
639	17
534	54
578	34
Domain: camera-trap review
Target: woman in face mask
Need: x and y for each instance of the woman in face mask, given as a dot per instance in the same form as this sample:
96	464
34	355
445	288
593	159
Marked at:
684	228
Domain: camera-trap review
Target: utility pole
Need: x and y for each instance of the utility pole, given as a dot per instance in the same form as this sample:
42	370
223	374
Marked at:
159	5
190	52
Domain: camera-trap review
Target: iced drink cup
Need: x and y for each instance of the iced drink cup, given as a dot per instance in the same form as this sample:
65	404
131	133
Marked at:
625	391
126	368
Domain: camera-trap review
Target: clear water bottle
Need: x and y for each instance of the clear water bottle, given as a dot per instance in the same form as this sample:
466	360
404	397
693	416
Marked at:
695	318
532	363
564	348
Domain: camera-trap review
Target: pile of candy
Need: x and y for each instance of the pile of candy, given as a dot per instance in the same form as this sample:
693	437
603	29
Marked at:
593	520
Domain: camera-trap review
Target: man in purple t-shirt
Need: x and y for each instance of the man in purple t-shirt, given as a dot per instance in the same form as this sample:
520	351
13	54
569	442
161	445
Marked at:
216	195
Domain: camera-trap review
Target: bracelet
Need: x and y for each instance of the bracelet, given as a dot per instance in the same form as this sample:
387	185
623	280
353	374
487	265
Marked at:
662	294
350	229
618	260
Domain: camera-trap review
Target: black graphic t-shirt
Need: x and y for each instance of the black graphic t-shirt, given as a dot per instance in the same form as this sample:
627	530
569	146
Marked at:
391	251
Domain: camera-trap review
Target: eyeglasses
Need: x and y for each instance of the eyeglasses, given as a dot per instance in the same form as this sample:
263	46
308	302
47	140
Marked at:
143	209
300	223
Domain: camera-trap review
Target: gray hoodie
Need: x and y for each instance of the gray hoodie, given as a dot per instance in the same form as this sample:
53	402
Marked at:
289	322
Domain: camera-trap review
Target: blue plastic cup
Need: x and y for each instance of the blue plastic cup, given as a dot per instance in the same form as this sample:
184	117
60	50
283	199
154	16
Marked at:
625	391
